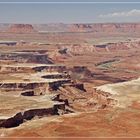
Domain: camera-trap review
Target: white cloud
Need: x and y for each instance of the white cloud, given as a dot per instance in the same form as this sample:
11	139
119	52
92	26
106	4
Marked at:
131	13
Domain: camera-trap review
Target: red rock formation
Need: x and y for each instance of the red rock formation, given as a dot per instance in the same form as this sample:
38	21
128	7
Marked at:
77	49
106	27
21	28
92	27
123	45
101	100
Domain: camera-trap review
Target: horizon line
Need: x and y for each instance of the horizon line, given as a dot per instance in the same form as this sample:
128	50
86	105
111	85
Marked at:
136	22
75	2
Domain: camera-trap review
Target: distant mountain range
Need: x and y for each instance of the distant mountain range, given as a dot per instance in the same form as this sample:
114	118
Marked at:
60	27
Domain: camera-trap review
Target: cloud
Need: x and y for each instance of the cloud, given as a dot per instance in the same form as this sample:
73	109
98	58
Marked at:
131	13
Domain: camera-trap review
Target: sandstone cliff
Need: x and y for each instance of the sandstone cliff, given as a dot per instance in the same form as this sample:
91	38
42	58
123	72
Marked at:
21	28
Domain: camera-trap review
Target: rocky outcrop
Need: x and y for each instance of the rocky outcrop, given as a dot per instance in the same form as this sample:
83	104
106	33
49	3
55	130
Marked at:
102	100
12	122
56	85
68	50
21	117
34	68
79	72
21	28
123	45
80	69
121	92
77	49
8	43
43	86
79	86
57	76
117	46
29	57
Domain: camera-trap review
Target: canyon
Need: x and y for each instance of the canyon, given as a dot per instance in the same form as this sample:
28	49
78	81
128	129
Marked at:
69	80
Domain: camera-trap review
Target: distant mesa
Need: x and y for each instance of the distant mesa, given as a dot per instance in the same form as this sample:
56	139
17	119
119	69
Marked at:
21	28
106	27
112	28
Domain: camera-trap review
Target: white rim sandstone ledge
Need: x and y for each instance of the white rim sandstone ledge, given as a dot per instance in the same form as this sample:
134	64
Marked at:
125	93
110	88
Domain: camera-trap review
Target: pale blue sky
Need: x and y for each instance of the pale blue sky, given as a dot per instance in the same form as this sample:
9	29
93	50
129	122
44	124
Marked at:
68	12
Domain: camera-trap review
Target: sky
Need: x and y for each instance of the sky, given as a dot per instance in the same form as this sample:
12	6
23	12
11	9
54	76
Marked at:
69	11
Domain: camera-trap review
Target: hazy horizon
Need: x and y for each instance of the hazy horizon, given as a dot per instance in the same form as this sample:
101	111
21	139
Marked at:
41	12
73	23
